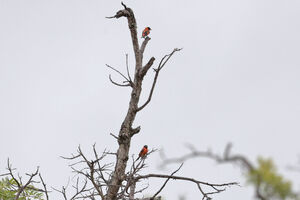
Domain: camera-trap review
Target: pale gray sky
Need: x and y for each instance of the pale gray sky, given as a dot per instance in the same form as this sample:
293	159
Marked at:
237	79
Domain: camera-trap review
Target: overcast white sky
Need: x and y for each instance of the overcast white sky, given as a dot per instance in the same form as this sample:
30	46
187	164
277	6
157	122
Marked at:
237	79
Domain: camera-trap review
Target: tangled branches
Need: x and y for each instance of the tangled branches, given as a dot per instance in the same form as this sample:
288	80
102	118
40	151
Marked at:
18	188
94	178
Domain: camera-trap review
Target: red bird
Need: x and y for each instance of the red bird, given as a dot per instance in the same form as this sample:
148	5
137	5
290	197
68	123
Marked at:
143	152
146	32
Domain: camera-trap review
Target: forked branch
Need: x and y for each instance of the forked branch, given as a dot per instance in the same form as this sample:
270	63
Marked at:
92	171
165	183
162	63
127	80
21	188
143	46
216	188
227	157
127	68
128	13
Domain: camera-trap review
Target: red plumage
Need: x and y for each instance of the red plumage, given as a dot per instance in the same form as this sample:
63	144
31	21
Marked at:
146	32
143	152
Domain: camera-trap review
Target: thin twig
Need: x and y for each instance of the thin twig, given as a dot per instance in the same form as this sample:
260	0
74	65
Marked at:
127	80
44	185
22	188
160	66
114	136
197	182
165	183
118	84
226	157
143	46
127	68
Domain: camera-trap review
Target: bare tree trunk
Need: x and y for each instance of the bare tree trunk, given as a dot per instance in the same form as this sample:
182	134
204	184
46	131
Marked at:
126	130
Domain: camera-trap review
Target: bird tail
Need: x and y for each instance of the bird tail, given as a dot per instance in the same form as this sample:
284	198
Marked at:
137	159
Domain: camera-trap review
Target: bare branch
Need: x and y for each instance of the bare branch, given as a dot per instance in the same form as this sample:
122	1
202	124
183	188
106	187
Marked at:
98	163
160	66
132	191
163	62
9	168
147	67
127	68
92	179
93	172
118	72
70	158
128	13
118	84
136	167
184	178
121	13
44	185
123	5
62	191
127	80
226	158
21	189
134	131
197	182
6	174
114	136
165	183
143	46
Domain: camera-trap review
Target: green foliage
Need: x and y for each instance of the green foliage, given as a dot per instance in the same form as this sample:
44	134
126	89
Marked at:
8	191
271	184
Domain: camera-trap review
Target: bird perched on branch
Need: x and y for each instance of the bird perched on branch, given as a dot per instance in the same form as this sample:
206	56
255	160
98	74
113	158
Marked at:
146	32
143	152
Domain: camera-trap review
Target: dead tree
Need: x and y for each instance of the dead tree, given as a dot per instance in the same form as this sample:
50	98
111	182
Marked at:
110	181
127	131
97	178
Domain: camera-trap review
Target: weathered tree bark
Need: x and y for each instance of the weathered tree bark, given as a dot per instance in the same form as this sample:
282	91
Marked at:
127	131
